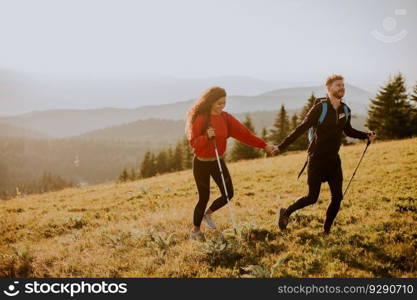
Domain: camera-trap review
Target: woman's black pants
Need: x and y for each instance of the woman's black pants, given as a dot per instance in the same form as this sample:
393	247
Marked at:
202	171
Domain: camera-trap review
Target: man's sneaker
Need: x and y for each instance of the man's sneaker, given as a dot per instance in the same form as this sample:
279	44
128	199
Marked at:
283	219
209	221
197	235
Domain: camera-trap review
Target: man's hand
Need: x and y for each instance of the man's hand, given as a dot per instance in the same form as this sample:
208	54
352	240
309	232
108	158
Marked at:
211	132
371	136
275	151
269	148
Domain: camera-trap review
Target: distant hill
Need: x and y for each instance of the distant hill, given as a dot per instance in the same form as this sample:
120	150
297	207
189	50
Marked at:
294	98
164	131
85	161
7	130
169	131
25	92
151	130
66	122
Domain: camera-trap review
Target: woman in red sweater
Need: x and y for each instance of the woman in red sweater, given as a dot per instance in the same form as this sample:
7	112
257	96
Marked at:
207	120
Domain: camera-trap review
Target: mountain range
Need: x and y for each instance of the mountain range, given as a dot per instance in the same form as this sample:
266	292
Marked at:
61	123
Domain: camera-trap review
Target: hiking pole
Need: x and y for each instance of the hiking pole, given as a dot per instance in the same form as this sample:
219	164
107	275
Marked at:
232	220
357	166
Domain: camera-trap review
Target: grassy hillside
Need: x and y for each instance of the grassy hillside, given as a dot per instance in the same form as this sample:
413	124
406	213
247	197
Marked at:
140	229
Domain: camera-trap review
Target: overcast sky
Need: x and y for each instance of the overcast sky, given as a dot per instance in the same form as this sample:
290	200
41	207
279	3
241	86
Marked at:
275	40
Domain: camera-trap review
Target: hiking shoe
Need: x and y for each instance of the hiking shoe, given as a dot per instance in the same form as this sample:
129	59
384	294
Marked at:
209	221
283	219
197	235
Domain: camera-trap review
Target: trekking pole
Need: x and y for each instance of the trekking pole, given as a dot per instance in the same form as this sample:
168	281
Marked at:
232	219
357	166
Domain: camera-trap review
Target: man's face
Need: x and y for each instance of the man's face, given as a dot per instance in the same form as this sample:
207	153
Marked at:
337	89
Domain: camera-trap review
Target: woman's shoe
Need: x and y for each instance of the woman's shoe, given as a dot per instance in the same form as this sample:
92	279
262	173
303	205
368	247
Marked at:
197	235
209	221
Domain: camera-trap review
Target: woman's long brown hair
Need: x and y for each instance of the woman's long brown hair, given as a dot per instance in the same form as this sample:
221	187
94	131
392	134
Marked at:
203	106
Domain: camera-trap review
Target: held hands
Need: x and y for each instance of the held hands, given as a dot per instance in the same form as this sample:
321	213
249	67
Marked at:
211	132
371	136
271	149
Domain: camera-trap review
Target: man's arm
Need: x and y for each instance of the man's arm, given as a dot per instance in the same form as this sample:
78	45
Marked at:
352	132
310	120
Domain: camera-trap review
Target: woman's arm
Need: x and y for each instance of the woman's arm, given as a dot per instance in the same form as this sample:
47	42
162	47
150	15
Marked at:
197	139
243	134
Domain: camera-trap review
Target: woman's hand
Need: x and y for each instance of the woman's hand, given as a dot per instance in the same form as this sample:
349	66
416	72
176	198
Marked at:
211	132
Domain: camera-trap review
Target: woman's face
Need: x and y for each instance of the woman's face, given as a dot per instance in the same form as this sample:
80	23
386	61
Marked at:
218	106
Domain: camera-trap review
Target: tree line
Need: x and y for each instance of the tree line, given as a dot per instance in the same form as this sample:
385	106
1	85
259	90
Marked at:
172	159
48	182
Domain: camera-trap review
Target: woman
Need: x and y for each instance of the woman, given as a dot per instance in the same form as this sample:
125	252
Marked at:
206	120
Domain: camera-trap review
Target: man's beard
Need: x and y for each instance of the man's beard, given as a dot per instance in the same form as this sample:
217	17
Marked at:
339	94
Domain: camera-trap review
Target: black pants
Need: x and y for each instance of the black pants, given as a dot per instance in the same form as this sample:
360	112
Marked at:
202	171
322	170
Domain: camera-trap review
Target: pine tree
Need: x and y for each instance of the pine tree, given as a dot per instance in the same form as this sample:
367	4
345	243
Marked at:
162	162
413	100
124	176
413	96
294	121
147	168
133	175
308	106
302	141
264	134
298	144
281	126
243	151
170	160
153	165
177	157
187	158
144	165
389	113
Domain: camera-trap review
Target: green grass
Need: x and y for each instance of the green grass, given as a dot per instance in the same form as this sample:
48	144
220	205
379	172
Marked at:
140	229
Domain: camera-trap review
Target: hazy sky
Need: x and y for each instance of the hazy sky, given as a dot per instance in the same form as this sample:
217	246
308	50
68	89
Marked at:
267	39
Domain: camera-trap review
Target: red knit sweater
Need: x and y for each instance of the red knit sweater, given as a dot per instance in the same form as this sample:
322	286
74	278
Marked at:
203	147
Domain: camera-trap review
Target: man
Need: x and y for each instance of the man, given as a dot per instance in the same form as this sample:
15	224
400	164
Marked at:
323	153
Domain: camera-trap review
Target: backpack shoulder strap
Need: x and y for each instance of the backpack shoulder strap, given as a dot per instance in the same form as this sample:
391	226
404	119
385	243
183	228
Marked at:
323	112
346	109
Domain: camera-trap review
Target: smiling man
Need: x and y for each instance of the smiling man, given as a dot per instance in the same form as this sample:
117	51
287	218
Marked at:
329	118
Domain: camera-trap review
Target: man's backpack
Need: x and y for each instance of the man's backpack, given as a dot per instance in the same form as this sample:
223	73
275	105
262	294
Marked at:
311	131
